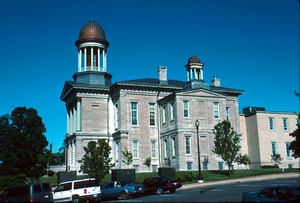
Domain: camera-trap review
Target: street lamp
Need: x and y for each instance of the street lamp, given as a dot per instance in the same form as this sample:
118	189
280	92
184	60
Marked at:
200	178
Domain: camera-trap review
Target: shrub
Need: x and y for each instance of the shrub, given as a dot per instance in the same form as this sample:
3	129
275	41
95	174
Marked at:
51	173
269	166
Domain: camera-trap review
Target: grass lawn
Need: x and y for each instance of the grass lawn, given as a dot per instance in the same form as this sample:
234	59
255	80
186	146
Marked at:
190	176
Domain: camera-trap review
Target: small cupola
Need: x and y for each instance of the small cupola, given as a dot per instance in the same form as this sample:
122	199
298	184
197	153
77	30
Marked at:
194	69
194	72
92	47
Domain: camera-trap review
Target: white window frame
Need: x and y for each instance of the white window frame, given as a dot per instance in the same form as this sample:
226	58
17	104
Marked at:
165	148
152	114
135	149
221	165
228	113
116	116
274	148
216	108
189	166
154	148
134	113
272	123
164	114
188	145
172	111
117	151
173	143
186	109
288	151
285	122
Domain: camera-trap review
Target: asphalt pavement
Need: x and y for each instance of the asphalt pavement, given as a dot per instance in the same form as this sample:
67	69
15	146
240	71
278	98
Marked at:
241	180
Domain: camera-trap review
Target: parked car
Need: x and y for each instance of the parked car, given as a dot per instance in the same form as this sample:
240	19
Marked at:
160	184
122	189
273	193
36	192
78	191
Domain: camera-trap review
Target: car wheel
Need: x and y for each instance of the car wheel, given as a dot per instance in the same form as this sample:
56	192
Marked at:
124	195
159	191
172	190
75	199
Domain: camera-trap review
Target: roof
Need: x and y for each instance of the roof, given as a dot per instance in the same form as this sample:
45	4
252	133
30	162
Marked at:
178	84
91	32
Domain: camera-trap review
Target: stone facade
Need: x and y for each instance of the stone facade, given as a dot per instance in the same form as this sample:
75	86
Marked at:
154	117
268	132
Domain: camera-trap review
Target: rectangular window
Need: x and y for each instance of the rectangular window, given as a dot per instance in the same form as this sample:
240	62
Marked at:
188	146
186	109
154	168
164	114
152	114
172	110
116	116
117	151
205	166
274	148
271	123
134	113
135	147
153	149
221	165
173	147
228	113
216	110
288	151
285	124
165	148
189	166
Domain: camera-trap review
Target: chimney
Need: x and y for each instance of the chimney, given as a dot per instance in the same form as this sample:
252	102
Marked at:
162	75
216	81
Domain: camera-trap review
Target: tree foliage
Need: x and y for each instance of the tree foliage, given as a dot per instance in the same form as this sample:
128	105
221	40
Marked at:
243	159
295	144
147	162
276	158
226	142
22	142
96	161
127	157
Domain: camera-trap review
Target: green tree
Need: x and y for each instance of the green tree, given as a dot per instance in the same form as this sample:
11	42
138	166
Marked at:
226	142
147	162
242	159
96	161
22	142
127	157
295	144
276	158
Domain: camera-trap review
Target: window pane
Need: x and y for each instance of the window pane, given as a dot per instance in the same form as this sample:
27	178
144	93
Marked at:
152	114
134	113
186	109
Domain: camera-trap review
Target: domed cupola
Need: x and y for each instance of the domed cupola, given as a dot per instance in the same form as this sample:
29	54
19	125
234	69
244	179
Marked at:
194	72
194	69
92	47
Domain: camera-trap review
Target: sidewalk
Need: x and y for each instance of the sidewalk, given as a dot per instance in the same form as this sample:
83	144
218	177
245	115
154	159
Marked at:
241	180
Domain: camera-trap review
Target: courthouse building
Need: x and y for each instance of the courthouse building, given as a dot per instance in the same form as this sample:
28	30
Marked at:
152	117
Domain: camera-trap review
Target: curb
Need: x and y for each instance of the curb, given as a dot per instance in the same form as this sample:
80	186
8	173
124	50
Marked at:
240	180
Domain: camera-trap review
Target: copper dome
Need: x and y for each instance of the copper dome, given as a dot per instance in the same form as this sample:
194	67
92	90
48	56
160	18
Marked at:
194	59
91	32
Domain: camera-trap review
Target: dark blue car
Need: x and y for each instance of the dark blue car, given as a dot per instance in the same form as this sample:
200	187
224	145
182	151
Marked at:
273	193
121	189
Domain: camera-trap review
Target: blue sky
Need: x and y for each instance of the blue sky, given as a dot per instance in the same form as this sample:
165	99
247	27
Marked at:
252	45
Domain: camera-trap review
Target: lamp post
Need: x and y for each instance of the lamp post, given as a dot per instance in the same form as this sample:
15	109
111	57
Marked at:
200	178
